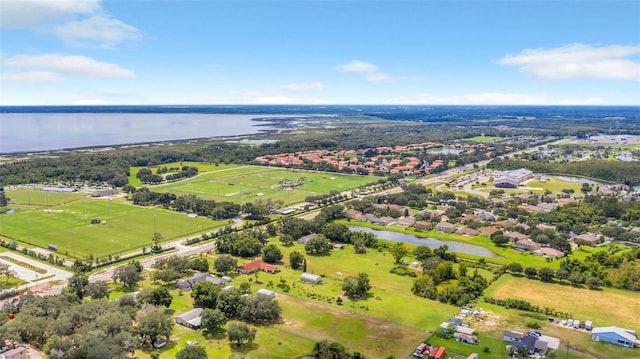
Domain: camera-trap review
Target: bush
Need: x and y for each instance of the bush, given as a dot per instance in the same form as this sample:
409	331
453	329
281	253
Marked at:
403	271
533	325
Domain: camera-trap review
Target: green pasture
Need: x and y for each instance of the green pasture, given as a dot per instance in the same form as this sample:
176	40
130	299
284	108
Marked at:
37	198
604	307
389	291
484	139
123	227
554	185
202	167
249	183
595	305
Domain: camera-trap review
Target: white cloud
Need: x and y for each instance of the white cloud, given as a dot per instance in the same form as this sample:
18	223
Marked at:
303	87
70	65
357	66
101	28
371	73
491	98
30	13
578	61
376	77
75	22
31	76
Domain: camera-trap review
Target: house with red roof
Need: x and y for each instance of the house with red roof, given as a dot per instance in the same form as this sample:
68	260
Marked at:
257	265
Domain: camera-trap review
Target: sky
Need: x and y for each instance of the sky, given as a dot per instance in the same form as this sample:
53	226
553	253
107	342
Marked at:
93	52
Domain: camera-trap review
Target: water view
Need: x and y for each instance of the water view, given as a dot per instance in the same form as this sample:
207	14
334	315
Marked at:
22	132
427	241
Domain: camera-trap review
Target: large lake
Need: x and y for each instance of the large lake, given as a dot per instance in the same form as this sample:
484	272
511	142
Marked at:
427	241
28	132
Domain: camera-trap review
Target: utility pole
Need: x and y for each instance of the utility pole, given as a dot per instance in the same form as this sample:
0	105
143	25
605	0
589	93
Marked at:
155	223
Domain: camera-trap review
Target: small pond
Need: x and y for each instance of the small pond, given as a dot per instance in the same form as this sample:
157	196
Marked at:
427	241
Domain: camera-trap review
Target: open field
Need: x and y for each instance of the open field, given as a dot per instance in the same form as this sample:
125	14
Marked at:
37	198
242	184
202	167
484	139
124	227
554	185
604	307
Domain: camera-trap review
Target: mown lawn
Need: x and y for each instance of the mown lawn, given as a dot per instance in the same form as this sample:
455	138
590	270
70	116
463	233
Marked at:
123	228
242	184
604	307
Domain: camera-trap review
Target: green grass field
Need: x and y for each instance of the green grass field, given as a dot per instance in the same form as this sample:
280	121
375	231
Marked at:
34	197
124	227
242	184
484	139
604	307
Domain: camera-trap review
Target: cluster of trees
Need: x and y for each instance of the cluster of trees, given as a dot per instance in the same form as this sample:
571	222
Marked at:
232	304
64	326
129	275
569	270
186	203
438	267
169	269
526	306
244	244
334	350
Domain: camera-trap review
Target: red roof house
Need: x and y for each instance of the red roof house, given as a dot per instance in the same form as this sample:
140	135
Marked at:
257	265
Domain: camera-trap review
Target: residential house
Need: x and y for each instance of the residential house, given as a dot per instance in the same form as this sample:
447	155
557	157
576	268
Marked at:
549	252
588	238
465	338
187	284
424	225
383	221
615	335
512	336
515	236
190	319
467	232
488	231
257	265
533	344
406	221
353	214
470	218
527	245
446	227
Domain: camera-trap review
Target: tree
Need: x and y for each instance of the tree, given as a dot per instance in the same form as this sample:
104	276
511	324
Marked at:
421	253
192	352
515	267
498	238
97	290
128	275
295	259
241	333
155	324
546	274
200	264
157	238
399	251
229	302
356	286
160	296
318	245
259	309
576	278
205	294
5	269
78	283
212	320
271	253
530	272
325	350
337	232
225	264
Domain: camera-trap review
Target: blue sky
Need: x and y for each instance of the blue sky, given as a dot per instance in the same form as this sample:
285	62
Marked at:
57	52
